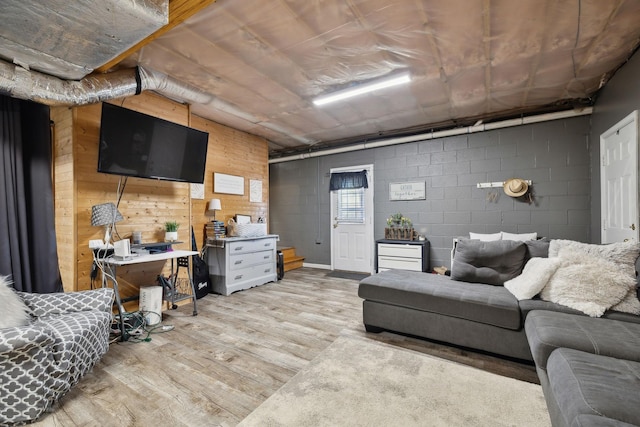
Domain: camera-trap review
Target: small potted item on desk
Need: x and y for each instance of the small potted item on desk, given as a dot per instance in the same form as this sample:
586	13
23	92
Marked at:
171	231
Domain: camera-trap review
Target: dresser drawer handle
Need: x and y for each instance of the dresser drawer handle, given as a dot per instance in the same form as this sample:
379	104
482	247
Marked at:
238	277
266	257
238	262
266	245
239	248
268	270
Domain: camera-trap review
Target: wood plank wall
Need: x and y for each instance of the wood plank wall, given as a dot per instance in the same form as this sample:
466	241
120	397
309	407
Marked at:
64	201
146	204
231	152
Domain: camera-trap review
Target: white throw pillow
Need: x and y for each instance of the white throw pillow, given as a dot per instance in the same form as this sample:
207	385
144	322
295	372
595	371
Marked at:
13	311
522	237
629	304
534	277
624	254
485	237
587	283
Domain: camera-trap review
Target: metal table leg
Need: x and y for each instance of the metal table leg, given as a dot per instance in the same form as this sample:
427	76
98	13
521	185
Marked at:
184	262
111	275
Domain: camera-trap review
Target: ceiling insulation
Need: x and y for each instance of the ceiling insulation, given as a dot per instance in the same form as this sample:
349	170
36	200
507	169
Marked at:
265	61
69	39
260	64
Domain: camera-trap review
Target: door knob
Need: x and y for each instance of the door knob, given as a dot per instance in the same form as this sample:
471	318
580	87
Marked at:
335	225
633	227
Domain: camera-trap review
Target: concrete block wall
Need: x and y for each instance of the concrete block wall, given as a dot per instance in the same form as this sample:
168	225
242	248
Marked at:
555	155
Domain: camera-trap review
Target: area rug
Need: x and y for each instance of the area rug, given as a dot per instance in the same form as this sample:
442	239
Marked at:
361	382
347	275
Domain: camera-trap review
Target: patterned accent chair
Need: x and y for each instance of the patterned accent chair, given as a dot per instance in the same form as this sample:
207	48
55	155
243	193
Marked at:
40	362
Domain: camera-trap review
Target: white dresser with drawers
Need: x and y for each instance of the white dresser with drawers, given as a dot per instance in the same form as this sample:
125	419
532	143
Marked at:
238	263
402	255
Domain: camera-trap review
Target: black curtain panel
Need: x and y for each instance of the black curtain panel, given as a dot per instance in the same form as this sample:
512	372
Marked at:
347	180
27	232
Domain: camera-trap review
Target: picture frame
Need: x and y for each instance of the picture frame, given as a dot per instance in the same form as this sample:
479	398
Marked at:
228	184
243	219
407	190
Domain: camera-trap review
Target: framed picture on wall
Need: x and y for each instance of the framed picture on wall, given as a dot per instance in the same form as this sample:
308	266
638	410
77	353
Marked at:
407	190
228	184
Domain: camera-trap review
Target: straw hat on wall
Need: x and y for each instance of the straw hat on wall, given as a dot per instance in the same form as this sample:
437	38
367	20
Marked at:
515	187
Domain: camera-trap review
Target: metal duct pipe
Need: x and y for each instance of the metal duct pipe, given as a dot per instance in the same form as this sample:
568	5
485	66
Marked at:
45	89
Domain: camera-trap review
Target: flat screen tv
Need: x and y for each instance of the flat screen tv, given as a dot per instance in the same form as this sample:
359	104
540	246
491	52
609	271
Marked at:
143	146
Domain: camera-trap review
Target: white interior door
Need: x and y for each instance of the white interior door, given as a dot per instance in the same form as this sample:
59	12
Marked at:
352	225
619	181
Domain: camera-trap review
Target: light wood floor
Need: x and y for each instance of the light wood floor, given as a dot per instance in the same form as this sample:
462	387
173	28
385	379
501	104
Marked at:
216	368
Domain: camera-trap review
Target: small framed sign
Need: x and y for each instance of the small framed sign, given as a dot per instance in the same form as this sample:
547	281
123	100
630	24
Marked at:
228	184
255	191
407	190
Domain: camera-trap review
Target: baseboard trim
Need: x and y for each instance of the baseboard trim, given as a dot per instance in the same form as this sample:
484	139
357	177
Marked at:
320	266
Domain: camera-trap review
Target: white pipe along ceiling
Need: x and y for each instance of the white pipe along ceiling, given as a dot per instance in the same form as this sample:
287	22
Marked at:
258	66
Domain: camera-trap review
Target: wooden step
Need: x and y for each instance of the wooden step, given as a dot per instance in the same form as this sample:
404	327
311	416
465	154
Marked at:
288	252
294	263
291	260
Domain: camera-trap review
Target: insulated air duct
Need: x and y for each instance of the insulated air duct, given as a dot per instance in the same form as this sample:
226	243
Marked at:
31	85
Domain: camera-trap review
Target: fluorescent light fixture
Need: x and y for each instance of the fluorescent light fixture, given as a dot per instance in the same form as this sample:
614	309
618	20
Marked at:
396	79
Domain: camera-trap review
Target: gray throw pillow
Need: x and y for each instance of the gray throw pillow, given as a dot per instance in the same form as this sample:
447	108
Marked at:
492	263
538	248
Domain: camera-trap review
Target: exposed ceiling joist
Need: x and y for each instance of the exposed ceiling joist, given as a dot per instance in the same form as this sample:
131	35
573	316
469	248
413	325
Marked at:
179	11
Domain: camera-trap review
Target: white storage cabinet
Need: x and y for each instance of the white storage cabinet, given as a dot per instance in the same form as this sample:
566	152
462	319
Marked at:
402	255
238	263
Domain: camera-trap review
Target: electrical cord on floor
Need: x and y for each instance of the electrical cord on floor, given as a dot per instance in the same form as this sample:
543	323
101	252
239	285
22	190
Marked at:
137	328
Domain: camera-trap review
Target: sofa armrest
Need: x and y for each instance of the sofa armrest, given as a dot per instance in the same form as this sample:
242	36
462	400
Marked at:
69	302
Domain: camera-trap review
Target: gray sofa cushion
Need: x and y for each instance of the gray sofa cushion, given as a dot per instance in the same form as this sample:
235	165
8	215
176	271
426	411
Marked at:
538	248
493	305
529	305
585	385
598	421
492	263
548	330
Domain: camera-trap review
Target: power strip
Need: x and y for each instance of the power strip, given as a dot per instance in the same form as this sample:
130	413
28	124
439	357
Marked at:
96	244
99	244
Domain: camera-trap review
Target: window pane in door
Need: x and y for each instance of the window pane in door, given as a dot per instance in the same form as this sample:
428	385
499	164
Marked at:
350	206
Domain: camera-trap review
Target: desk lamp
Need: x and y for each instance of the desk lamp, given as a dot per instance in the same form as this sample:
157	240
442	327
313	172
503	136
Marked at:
214	205
105	214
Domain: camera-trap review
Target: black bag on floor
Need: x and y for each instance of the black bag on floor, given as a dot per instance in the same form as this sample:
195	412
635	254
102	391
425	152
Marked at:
200	271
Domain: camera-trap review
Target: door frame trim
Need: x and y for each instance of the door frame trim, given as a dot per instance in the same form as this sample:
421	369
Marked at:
370	195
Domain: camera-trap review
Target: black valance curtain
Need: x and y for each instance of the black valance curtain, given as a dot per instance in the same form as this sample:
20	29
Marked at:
346	180
28	241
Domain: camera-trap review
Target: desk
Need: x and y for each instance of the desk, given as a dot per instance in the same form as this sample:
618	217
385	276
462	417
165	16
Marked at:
111	263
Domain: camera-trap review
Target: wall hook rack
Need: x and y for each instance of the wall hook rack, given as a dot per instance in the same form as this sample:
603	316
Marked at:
497	184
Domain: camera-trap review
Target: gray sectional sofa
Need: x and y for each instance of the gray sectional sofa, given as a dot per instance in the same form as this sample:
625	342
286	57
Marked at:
486	316
589	368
